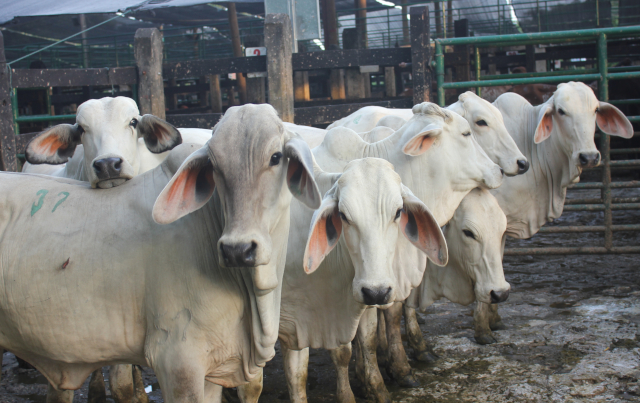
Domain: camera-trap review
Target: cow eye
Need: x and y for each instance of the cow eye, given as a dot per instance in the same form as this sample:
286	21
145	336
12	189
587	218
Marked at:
133	123
80	130
481	123
344	217
275	159
466	134
597	110
561	112
469	233
398	214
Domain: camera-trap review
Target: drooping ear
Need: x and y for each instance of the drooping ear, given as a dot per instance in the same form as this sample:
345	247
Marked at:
189	189
300	179
613	122
421	142
326	228
545	123
422	229
158	135
54	145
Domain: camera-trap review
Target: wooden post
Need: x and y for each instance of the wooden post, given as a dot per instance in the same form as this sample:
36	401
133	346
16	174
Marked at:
255	85
450	15
202	95
237	50
330	25
405	23
463	70
215	94
420	51
301	85
390	81
336	79
278	38
147	50
361	23
7	135
436	7
354	83
171	101
83	35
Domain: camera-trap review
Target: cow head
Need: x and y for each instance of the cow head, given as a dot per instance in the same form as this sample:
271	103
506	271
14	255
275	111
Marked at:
474	237
251	159
108	129
369	206
572	114
488	128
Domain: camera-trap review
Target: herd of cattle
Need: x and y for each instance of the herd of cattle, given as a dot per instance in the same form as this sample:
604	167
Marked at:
194	259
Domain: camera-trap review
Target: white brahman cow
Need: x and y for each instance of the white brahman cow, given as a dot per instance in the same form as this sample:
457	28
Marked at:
485	121
558	138
109	144
92	279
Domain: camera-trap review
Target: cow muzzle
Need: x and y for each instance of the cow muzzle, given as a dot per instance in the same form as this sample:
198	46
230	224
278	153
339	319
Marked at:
376	296
110	171
523	166
499	296
239	254
589	159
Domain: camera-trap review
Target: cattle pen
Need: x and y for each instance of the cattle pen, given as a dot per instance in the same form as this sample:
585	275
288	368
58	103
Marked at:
602	75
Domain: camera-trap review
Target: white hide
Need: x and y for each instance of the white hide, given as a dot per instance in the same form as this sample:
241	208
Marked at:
474	238
552	142
367	205
151	294
485	121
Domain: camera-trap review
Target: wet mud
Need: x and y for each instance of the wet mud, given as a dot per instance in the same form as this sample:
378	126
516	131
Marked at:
572	335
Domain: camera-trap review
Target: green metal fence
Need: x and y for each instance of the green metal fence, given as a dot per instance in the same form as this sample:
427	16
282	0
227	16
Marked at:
603	74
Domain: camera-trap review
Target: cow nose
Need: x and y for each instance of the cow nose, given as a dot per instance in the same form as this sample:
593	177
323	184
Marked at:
523	166
108	168
239	255
499	296
589	159
378	296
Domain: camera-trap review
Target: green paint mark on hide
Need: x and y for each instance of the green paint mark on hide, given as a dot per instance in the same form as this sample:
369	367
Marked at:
357	119
37	206
66	194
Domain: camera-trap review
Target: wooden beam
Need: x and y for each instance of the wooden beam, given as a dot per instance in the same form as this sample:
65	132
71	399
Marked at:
30	78
316	115
278	38
237	50
197	68
147	49
390	81
330	24
361	23
350	58
8	160
420	54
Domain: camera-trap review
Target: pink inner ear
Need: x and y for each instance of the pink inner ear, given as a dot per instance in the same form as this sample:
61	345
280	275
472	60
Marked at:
544	128
611	122
419	145
49	145
424	233
321	241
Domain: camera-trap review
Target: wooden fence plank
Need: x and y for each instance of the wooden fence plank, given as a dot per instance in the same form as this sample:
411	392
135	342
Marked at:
7	135
197	68
28	78
338	59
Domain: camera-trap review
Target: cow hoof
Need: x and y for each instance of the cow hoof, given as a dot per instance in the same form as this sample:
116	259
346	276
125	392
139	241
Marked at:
408	381
499	325
485	339
426	356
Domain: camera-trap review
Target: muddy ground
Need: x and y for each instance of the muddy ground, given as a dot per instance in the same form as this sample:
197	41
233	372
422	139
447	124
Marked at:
572	335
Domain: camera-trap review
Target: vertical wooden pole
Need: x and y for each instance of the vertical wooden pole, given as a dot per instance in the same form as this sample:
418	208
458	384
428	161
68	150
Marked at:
202	95
336	80
420	51
255	85
330	24
301	85
83	35
450	15
436	7
278	38
7	134
463	69
390	81
361	23
215	94
405	22
147	49
237	50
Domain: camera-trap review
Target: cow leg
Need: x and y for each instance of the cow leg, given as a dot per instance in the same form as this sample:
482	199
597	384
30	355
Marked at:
398	365
495	321
483	334
296	364
383	344
367	343
59	396
212	392
421	350
121	383
341	357
139	394
97	390
250	392
180	375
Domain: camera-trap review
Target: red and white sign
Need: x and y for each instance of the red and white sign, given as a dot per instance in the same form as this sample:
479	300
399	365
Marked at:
260	51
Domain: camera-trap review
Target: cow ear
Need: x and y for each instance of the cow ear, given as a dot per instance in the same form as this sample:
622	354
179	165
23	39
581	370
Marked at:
422	141
613	122
300	179
545	124
326	228
158	135
54	145
422	229
189	189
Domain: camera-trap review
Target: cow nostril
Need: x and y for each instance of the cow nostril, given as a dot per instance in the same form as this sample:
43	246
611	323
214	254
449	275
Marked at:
500	296
523	166
239	255
118	164
376	296
250	254
584	160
